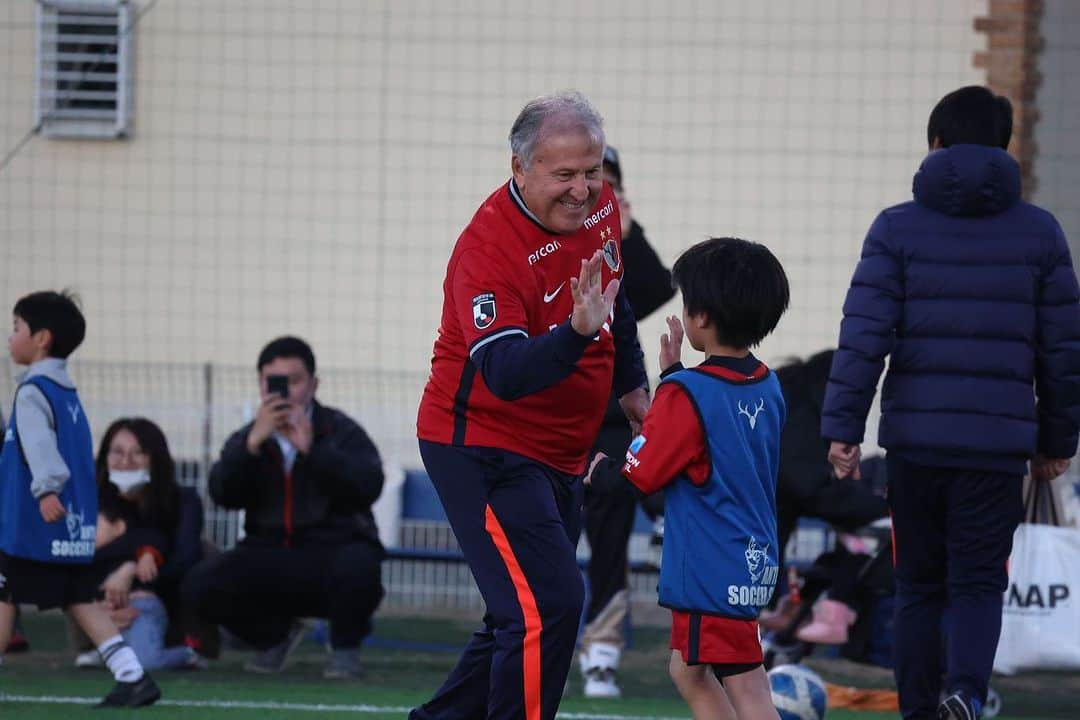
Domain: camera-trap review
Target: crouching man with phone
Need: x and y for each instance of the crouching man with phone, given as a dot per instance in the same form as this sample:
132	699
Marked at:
306	476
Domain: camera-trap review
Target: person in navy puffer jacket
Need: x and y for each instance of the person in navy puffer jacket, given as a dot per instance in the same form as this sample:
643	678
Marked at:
972	293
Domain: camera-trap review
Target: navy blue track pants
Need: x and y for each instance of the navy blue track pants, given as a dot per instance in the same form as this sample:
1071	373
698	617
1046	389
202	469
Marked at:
952	535
517	522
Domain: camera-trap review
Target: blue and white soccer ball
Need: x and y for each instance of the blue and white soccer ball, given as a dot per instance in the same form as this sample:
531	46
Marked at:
797	692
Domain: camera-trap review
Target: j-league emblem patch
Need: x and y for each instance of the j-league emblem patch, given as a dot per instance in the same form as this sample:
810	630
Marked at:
483	310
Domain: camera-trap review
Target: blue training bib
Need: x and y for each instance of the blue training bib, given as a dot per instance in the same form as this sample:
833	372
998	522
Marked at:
23	532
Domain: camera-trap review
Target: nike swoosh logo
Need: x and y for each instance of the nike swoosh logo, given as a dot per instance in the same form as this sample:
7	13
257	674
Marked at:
548	297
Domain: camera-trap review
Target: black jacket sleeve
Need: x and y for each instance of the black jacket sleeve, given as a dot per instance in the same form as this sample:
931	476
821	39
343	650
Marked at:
516	366
607	478
124	547
646	280
187	538
234	476
629	360
347	464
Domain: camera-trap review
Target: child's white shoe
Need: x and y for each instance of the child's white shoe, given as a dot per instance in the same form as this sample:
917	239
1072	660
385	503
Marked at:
598	667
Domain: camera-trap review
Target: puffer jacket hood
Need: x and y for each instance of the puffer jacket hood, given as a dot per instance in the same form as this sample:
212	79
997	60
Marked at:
968	180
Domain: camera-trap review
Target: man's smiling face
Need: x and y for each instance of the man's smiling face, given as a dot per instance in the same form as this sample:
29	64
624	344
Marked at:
562	183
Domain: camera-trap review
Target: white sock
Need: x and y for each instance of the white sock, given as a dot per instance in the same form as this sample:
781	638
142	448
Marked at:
121	659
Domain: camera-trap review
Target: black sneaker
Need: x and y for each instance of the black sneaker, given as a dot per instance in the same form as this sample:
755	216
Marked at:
958	707
132	694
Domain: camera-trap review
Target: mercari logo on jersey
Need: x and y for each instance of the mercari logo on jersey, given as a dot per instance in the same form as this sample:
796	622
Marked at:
599	215
543	251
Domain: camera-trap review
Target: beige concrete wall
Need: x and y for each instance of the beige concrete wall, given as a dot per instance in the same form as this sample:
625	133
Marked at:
306	166
1057	160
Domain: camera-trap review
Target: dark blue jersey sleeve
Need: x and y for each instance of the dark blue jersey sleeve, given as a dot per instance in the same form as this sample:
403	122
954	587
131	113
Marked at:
515	366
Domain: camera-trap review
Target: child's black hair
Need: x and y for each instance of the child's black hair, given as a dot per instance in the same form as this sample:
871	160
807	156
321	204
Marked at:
57	312
739	285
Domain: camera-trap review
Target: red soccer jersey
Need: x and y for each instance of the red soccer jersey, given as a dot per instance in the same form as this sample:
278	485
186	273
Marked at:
508	276
676	441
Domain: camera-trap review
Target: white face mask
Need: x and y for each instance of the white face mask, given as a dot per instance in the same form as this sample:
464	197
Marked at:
128	480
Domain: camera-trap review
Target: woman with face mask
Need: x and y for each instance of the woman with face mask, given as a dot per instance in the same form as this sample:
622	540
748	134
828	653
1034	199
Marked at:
149	535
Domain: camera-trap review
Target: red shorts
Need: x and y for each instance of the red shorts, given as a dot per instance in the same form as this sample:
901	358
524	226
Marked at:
704	639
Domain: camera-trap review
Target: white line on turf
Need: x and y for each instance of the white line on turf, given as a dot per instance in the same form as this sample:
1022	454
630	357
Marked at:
298	707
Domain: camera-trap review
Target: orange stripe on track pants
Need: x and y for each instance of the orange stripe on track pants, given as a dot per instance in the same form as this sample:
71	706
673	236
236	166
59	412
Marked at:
533	625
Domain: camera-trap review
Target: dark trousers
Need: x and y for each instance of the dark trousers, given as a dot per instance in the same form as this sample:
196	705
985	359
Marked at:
609	522
952	534
517	522
256	591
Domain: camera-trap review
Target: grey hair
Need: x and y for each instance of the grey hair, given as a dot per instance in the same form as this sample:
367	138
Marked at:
574	110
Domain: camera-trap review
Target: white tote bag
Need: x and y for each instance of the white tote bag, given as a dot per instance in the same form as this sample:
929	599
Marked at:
1040	626
1067	496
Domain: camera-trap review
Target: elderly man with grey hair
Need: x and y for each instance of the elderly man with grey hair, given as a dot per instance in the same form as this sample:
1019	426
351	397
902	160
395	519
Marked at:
535	332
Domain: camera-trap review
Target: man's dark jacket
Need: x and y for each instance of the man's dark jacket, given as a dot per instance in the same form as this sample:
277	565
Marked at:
326	498
972	294
647	283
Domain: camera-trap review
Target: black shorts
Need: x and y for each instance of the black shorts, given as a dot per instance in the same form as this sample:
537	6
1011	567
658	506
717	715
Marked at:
723	670
47	585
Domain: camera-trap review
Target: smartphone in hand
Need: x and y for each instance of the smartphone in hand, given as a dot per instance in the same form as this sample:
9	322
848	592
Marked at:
278	384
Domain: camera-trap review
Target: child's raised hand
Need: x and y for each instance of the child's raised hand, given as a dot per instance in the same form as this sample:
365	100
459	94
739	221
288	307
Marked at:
671	343
51	508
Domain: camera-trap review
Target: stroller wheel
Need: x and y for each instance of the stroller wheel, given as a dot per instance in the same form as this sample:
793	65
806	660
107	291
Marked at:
992	708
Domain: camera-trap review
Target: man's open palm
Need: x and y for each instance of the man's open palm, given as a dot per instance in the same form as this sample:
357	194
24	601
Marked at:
591	305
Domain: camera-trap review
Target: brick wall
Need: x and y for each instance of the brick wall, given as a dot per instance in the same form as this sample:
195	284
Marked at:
1014	42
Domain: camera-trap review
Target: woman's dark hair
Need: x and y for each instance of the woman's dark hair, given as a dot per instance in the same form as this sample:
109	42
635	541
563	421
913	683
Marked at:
739	285
158	503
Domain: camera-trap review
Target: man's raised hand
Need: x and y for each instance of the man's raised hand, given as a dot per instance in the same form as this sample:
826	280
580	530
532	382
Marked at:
273	414
592	307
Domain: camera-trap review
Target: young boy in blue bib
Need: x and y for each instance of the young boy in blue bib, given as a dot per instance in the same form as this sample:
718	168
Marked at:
48	492
711	441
